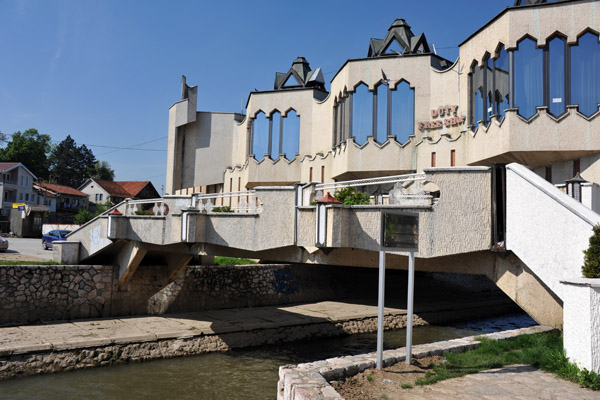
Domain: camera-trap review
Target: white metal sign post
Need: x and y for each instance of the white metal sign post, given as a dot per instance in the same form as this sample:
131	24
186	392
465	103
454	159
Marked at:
399	232
410	304
381	305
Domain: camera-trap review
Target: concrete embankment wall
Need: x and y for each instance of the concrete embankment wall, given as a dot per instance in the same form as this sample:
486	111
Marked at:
47	293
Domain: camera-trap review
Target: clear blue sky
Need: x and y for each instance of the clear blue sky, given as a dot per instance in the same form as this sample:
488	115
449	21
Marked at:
106	72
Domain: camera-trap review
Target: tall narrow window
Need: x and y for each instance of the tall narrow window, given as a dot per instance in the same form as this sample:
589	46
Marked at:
336	138
528	73
433	159
501	82
382	113
260	136
290	144
275	135
310	175
403	111
477	96
585	74
489	89
322	174
453	158
556	76
362	114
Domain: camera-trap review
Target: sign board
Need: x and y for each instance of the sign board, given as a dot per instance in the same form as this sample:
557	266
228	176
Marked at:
18	205
399	231
21	208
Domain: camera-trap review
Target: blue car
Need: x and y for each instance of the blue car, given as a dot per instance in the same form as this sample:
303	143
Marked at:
51	236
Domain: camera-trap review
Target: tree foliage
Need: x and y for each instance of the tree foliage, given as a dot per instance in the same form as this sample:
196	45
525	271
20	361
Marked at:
84	215
30	148
103	171
71	165
591	261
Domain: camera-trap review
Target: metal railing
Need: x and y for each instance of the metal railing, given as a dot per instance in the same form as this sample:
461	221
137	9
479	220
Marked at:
240	202
369	182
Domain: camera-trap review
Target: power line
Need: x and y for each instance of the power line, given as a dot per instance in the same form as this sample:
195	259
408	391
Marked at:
122	148
132	147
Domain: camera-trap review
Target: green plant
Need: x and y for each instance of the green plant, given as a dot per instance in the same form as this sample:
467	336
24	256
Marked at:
350	197
370	378
144	212
223	209
591	262
384	397
83	216
406	386
233	261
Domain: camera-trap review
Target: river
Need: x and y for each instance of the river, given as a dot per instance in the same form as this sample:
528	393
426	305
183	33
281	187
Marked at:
238	374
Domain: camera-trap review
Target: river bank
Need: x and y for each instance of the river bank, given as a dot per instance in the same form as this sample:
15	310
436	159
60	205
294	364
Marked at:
54	347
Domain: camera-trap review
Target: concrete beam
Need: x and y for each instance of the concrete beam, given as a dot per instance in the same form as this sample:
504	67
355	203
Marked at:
129	258
177	262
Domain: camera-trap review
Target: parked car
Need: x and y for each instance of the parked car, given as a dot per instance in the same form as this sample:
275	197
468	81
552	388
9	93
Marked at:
51	236
3	244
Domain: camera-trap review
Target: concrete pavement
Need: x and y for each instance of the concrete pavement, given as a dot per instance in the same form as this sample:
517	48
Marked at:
26	249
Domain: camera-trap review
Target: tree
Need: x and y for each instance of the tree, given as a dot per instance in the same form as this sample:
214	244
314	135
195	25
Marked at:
71	165
103	171
591	263
31	149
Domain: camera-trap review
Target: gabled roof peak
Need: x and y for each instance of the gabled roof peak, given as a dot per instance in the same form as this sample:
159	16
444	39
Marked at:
399	23
399	41
300	75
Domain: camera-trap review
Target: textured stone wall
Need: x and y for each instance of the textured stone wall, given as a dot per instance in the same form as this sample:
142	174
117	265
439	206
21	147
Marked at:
45	293
32	293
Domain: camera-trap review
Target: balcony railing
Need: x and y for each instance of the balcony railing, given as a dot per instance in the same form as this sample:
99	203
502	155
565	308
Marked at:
240	202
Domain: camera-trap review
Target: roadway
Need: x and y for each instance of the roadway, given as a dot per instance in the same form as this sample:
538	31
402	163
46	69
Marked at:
24	249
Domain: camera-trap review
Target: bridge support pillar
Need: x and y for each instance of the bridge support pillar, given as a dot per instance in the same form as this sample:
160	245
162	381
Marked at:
176	262
129	259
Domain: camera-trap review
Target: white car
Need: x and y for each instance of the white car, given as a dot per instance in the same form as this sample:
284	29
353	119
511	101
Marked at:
3	244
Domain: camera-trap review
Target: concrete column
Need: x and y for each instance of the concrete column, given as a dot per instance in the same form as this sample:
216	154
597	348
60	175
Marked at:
581	329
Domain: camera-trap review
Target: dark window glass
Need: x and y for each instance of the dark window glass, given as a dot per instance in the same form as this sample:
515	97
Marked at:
585	74
362	114
477	96
403	112
529	84
275	143
260	136
336	138
502	82
489	89
382	113
291	135
556	79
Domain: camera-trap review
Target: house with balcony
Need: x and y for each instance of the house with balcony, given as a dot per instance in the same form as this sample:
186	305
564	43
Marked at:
63	201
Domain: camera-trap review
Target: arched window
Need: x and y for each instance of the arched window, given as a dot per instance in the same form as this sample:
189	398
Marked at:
382	92
260	136
585	74
403	111
276	133
489	89
290	143
528	77
501	82
557	102
362	114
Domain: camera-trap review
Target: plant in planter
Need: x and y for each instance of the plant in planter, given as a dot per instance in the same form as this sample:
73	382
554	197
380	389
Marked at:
591	263
223	209
350	197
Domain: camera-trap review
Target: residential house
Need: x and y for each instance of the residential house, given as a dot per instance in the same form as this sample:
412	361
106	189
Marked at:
99	191
64	201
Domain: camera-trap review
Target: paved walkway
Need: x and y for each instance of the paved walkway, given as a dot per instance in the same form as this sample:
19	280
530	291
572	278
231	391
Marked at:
517	382
121	330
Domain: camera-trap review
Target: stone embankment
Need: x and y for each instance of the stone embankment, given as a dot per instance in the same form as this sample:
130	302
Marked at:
53	347
311	380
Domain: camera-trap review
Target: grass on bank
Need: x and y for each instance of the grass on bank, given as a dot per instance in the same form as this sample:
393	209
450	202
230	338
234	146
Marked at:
542	350
16	262
233	261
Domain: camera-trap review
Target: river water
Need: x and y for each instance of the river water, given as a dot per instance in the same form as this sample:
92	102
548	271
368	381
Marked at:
238	374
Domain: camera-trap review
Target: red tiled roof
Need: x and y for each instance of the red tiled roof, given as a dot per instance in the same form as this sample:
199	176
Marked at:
133	187
113	188
62	189
7	165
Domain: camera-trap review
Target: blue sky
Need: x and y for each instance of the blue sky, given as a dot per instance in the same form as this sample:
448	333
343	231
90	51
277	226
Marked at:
106	72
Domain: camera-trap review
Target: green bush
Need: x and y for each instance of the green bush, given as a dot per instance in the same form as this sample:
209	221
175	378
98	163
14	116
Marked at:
350	197
83	216
591	263
222	209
